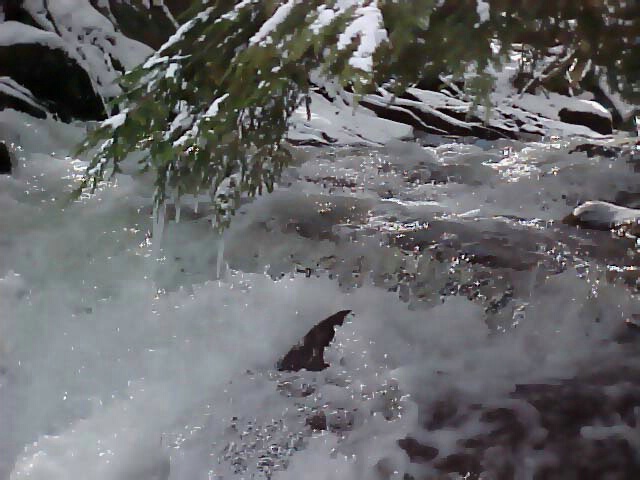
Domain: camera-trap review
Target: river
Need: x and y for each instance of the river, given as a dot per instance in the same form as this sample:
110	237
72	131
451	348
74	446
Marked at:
487	338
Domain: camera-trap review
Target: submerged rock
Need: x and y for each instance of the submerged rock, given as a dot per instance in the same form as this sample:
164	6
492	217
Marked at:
5	159
309	354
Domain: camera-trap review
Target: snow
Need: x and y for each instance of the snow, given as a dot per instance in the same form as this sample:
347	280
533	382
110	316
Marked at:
343	123
14	33
483	10
184	28
172	70
116	120
324	18
126	357
212	111
587	106
262	36
367	25
87	36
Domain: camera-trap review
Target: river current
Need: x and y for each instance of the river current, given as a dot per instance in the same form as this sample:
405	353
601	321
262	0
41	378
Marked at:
486	339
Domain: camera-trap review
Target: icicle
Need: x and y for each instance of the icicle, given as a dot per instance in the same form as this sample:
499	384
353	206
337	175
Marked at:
158	227
220	258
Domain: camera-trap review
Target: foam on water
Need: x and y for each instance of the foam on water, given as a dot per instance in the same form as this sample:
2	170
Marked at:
120	363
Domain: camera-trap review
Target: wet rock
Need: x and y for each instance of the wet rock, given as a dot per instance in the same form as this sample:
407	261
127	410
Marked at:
417	452
309	354
5	159
598	123
56	80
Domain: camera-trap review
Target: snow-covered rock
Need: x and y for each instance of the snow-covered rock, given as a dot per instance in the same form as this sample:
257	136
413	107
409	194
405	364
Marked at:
17	97
602	215
67	54
590	114
36	61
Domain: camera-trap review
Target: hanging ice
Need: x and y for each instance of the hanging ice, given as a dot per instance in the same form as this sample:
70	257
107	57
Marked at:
220	258
158	227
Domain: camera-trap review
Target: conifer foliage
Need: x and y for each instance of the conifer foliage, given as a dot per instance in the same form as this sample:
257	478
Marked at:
210	109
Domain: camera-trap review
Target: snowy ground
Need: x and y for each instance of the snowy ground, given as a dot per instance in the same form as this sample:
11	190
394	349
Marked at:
472	307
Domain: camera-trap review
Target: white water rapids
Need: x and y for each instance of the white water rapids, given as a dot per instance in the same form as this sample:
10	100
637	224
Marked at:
486	338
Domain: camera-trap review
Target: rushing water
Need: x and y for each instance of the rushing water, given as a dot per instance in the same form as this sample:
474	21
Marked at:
486	338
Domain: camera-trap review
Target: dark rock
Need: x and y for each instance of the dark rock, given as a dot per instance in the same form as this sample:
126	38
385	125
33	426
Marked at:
149	25
464	464
8	101
14	11
627	228
425	121
597	123
318	421
5	159
573	221
600	215
309	354
54	78
593	150
399	114
407	110
417	452
178	7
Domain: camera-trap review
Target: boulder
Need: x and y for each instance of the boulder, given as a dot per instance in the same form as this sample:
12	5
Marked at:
56	80
5	159
598	215
597	121
13	10
309	354
595	150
